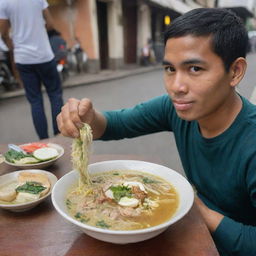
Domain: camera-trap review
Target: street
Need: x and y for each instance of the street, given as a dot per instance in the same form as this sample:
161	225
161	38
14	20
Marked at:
16	123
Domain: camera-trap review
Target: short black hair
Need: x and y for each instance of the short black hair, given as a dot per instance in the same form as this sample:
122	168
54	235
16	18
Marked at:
229	35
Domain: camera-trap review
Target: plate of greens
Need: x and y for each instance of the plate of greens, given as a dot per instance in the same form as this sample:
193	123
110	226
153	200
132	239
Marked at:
33	155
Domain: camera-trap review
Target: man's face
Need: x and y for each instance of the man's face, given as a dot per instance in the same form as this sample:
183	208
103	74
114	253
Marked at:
195	78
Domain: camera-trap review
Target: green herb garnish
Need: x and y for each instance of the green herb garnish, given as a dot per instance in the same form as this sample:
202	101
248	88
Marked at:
12	155
121	191
31	187
102	224
78	215
68	203
147	180
81	217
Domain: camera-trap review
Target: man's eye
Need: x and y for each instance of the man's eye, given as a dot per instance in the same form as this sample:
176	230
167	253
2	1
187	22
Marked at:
169	69
195	69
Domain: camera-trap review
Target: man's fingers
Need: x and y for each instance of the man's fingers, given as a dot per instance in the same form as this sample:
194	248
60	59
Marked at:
84	106
72	116
68	120
72	113
68	129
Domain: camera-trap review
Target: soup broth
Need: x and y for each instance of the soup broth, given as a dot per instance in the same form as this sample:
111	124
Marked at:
123	200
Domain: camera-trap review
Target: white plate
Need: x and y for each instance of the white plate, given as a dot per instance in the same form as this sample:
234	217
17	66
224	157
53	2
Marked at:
40	165
182	186
13	176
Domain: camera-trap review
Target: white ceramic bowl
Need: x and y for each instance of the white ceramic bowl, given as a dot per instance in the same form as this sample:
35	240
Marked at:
13	176
182	186
40	165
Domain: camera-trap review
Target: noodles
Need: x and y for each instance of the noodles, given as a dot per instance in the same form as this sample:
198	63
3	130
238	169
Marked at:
123	200
80	156
117	199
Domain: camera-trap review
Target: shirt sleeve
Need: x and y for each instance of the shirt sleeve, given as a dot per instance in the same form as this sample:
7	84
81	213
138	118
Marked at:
234	238
3	11
44	4
145	118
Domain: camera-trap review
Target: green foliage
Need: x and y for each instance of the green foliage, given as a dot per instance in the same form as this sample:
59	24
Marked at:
147	180
81	217
12	155
31	187
120	191
102	224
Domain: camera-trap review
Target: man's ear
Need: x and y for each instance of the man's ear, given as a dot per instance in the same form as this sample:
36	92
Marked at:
237	71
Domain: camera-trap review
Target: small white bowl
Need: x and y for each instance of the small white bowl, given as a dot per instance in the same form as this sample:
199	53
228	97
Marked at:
182	186
40	165
13	176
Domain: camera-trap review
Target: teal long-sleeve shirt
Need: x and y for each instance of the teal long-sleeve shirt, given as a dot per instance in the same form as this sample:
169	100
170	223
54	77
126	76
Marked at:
223	168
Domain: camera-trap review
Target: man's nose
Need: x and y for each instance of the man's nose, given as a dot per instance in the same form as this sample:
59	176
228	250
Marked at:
179	84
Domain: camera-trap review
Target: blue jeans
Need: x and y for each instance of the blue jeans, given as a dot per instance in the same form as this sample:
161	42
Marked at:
33	75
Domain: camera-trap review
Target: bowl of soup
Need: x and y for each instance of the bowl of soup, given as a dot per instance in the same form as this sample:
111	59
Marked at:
127	201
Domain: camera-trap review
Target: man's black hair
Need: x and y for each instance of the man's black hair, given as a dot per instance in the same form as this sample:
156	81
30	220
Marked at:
229	35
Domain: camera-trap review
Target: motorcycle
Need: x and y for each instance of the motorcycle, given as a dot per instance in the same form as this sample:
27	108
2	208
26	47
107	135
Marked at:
62	68
7	80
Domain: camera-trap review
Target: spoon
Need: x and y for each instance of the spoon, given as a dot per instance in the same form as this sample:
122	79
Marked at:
16	148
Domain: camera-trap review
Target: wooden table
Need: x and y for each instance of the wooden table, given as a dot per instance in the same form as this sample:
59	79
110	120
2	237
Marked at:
43	232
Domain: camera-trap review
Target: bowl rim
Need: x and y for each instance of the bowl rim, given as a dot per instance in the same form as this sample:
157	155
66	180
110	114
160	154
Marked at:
52	176
163	225
57	146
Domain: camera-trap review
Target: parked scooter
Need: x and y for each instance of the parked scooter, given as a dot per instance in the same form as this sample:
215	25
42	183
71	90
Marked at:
7	80
62	64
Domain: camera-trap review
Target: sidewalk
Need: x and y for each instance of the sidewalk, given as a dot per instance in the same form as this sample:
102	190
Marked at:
85	79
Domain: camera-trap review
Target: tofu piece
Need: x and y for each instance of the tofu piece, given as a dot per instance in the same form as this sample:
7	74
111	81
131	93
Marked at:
24	197
8	192
35	177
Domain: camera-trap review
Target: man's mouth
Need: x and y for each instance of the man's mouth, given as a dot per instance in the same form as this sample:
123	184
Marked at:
181	105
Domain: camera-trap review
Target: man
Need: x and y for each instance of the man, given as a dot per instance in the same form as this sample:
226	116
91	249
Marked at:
33	56
214	126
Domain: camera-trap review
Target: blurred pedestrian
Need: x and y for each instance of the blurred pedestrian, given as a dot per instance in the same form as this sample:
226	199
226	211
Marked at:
145	55
80	55
33	56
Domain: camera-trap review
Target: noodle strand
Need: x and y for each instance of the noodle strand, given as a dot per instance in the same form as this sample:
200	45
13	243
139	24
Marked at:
80	155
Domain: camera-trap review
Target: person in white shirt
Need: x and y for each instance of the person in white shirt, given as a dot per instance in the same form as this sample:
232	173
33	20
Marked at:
33	56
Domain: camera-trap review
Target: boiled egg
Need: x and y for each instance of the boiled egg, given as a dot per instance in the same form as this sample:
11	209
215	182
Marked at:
128	202
109	194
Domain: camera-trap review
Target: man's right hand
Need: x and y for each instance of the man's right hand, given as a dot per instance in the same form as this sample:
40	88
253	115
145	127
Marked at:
76	112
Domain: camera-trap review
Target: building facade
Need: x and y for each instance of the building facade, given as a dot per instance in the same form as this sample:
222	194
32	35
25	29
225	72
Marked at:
113	32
